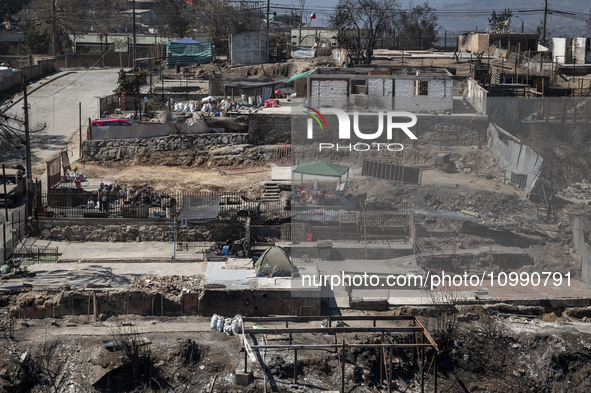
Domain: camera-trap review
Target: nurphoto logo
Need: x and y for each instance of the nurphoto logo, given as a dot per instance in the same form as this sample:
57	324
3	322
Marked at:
392	122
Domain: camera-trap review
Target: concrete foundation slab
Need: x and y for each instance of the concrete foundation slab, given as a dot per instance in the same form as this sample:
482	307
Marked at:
281	173
217	273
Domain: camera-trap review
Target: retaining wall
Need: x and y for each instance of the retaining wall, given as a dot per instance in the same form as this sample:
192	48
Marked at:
43	67
131	230
124	149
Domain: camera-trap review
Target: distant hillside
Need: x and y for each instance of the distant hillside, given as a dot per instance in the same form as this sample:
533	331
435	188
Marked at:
467	20
463	15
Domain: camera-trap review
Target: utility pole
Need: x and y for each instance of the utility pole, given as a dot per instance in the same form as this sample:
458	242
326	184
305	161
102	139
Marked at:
5	196
80	129
268	5
544	26
174	240
27	137
134	40
300	30
53	29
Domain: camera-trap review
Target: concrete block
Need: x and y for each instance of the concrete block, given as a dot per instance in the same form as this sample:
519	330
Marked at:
242	378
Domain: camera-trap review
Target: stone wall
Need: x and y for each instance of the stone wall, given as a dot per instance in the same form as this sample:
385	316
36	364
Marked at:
445	130
131	230
269	129
247	302
63	303
451	130
126	149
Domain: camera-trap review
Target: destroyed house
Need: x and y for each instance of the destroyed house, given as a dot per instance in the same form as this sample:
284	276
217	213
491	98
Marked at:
417	90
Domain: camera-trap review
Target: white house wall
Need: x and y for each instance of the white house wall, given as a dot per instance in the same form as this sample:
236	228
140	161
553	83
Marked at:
249	48
385	94
579	49
329	93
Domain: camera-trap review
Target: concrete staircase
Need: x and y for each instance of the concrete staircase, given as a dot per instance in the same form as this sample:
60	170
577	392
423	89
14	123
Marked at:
271	193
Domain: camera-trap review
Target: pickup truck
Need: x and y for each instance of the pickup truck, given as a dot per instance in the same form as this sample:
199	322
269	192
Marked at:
15	186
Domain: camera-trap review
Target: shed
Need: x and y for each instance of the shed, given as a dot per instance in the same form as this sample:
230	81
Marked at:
252	88
187	52
321	168
274	261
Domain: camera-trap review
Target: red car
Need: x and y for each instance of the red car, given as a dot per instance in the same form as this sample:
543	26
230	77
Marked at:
111	122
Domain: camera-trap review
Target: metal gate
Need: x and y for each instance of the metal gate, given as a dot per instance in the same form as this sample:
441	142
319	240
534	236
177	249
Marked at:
283	154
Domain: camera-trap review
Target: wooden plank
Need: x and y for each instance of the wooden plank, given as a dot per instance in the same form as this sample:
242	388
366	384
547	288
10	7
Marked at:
248	349
335	330
336	318
332	346
433	343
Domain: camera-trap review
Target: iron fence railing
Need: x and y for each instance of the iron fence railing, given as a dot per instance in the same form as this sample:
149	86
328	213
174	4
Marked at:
13	231
36	254
148	204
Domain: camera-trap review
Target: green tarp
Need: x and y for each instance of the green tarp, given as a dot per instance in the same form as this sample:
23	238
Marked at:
321	168
293	78
188	53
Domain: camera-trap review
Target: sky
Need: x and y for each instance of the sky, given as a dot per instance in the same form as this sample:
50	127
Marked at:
468	15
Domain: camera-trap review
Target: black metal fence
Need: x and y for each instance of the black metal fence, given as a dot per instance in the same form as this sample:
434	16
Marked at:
148	204
36	254
13	231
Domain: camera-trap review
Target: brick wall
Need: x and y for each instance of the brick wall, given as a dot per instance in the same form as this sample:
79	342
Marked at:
249	48
329	93
334	94
269	130
438	99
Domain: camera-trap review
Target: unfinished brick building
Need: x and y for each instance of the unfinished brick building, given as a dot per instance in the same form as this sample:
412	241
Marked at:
427	90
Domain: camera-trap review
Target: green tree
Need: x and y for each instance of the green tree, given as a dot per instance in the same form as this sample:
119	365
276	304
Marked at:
38	17
218	19
360	23
109	19
38	40
496	20
174	18
418	28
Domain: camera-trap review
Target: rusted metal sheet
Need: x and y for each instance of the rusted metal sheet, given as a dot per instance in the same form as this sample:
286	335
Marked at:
391	171
190	303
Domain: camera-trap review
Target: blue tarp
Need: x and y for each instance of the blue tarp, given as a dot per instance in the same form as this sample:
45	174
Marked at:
185	40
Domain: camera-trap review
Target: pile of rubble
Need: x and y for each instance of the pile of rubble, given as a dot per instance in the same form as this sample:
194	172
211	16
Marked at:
455	199
171	285
146	195
580	191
